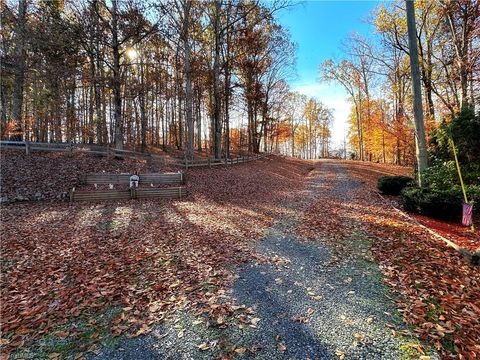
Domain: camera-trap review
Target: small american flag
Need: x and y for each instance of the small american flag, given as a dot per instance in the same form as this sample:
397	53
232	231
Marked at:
467	214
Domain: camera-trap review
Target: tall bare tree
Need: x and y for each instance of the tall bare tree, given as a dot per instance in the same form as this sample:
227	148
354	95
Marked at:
19	64
420	141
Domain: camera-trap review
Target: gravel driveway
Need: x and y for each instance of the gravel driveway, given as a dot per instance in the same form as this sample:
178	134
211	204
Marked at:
311	304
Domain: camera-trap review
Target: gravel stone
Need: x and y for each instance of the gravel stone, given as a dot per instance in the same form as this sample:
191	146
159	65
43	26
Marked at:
308	308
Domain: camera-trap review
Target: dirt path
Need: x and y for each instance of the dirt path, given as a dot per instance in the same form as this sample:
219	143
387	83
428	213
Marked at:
308	302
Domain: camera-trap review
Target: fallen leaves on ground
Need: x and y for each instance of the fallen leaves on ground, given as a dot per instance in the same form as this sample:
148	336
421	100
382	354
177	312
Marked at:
463	236
281	347
240	350
64	261
46	175
438	289
203	346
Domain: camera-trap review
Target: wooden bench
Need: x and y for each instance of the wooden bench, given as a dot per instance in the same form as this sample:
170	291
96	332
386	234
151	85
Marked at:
99	195
166	193
172	193
145	179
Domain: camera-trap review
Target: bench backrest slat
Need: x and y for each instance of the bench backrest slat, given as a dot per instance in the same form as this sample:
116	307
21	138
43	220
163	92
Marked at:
172	193
167	178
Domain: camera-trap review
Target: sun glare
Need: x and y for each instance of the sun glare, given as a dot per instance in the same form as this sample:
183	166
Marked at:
132	54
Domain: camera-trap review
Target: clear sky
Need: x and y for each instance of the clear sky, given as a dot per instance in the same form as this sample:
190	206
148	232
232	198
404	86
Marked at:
319	28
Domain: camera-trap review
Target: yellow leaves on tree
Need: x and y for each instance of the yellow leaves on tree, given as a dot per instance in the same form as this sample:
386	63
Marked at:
386	137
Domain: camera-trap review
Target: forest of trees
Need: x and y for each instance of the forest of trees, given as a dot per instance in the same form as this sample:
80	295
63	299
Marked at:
377	77
185	75
213	76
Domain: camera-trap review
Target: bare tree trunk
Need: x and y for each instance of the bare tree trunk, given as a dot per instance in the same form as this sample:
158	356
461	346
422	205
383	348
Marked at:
460	42
227	112
117	96
188	79
251	138
265	124
227	85
101	125
70	112
217	103
20	55
426	71
56	116
472	93
360	126
359	129
421	149
293	138
383	132
199	120
3	106
91	113
143	110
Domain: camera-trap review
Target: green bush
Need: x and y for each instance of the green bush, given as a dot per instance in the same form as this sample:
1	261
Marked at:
442	204
442	196
411	198
463	129
444	175
392	185
441	176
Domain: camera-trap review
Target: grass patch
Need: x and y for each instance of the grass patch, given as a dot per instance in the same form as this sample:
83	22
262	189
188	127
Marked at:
412	349
361	244
448	344
76	337
109	225
434	310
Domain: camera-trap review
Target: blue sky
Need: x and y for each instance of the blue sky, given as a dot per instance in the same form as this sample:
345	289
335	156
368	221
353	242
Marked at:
319	28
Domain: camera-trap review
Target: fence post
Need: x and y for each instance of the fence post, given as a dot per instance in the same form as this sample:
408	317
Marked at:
209	164
27	147
71	194
133	193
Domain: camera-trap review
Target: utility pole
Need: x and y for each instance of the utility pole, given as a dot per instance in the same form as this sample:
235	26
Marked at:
420	142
